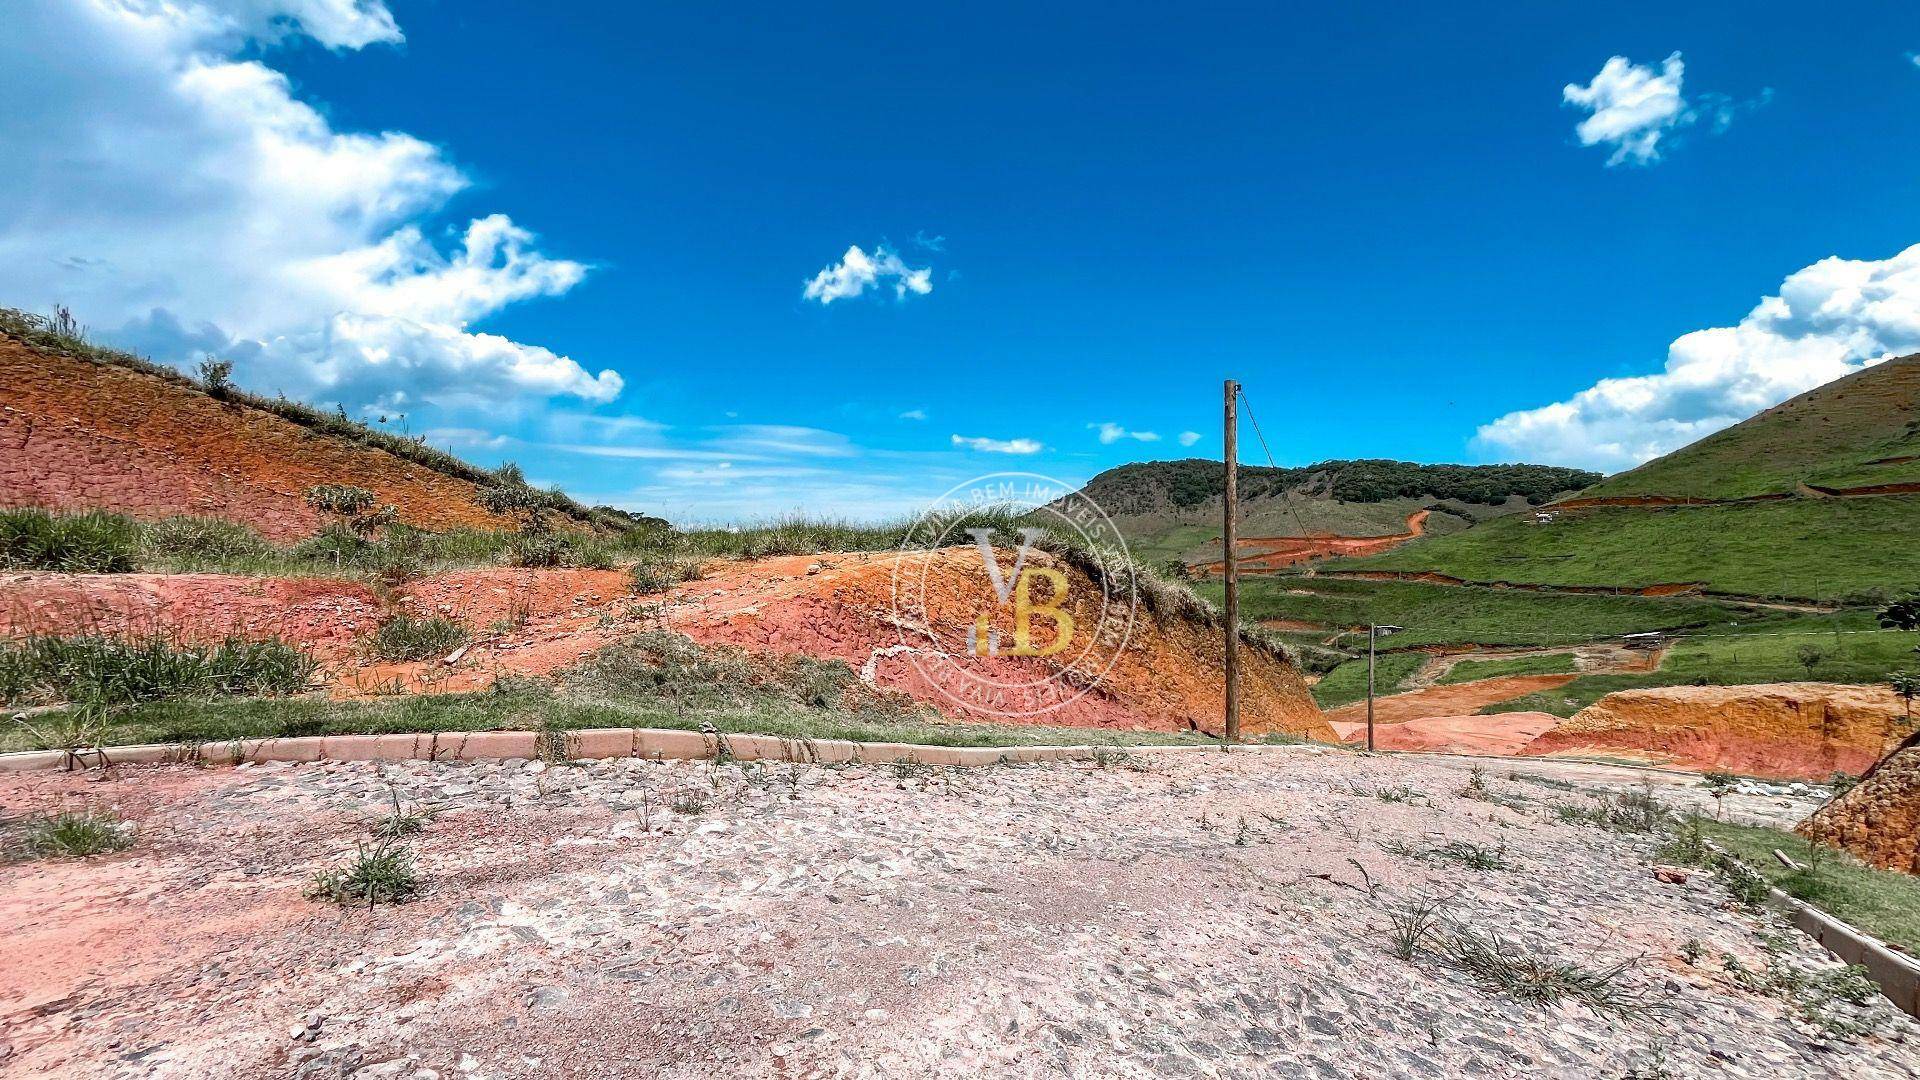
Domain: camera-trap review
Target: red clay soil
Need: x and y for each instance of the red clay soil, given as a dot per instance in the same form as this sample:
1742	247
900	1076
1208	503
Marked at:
1167	678
1787	731
79	435
1458	699
538	622
1268	554
1496	734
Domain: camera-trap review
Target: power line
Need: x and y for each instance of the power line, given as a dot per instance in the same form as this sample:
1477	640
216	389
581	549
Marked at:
1286	497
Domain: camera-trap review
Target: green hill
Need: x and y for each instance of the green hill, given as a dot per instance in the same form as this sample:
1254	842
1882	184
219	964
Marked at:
1859	431
1766	512
1796	522
1172	509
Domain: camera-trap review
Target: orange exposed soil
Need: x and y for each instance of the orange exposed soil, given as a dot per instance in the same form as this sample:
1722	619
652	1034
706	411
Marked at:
79	435
1498	734
1168	678
1879	819
537	622
1797	731
1267	554
1458	699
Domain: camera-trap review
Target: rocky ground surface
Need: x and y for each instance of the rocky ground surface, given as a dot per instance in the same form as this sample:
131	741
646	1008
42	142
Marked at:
1183	914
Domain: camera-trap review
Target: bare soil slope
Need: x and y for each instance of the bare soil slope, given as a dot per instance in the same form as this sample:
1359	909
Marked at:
80	435
1794	731
1879	820
538	622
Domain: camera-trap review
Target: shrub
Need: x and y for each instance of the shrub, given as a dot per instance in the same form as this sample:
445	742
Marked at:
216	376
343	499
116	671
87	543
75	835
405	637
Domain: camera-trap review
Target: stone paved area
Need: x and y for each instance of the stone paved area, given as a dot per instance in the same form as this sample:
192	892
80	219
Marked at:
1174	915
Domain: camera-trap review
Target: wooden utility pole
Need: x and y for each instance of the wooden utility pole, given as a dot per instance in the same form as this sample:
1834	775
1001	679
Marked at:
1370	639
1228	571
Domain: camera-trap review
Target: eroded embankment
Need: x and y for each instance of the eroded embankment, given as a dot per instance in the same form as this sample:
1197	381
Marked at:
1167	677
1879	819
1793	731
78	435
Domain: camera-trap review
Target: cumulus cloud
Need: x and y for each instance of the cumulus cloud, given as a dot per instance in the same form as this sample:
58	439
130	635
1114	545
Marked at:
1112	433
1188	438
998	446
170	187
1827	320
914	414
1632	108
856	272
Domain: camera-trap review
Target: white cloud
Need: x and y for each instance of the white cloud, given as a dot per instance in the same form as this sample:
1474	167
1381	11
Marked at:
1829	319
930	243
914	414
1632	108
856	272
998	446
182	200
1188	438
465	437
1113	433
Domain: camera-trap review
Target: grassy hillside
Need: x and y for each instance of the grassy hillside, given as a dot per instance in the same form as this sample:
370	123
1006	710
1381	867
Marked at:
1446	615
1825	549
1347	683
1848	433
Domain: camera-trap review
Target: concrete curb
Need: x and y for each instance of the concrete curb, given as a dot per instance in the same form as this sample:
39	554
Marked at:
1896	973
583	745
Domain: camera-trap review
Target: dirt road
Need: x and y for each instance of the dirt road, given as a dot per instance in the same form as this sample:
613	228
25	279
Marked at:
1182	914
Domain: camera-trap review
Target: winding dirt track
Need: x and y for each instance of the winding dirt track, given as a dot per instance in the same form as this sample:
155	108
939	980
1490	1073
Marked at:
1267	554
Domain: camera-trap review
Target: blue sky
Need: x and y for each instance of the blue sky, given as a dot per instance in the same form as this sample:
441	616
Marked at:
1386	222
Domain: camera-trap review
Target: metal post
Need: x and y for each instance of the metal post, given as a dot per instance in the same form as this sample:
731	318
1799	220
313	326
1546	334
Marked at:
1228	571
1370	637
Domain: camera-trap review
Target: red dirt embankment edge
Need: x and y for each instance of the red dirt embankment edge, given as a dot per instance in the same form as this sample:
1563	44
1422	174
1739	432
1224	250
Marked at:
1168	676
79	435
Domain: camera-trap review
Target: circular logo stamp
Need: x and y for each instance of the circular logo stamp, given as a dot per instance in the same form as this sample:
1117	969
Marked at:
1014	595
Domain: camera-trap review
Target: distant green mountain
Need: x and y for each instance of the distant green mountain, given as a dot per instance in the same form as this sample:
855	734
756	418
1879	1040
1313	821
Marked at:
1172	509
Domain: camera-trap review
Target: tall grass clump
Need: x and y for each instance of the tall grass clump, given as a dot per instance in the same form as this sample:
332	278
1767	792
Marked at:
406	637
85	543
72	834
204	543
46	669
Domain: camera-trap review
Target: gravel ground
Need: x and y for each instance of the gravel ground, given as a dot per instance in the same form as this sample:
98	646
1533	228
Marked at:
1172	914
